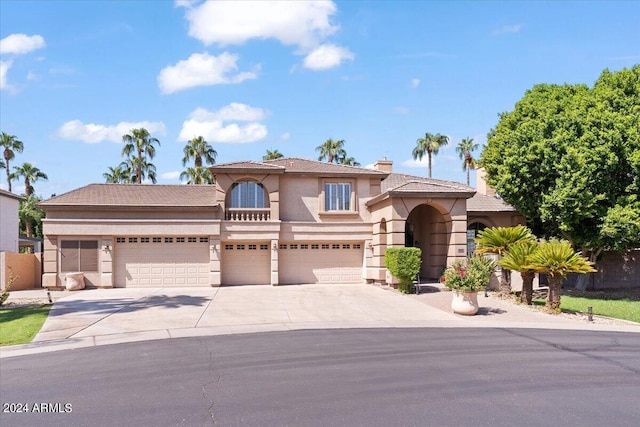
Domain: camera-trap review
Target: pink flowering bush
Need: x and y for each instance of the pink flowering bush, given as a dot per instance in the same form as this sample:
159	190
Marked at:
471	274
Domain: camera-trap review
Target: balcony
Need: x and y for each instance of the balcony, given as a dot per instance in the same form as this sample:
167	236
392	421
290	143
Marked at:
248	214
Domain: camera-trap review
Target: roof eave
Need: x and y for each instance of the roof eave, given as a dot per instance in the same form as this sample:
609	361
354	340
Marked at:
73	207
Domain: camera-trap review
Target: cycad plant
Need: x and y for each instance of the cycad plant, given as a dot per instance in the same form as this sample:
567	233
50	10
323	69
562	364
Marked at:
498	240
518	258
557	259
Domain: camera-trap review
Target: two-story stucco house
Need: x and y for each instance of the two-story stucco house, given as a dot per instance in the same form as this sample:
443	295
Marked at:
9	221
285	221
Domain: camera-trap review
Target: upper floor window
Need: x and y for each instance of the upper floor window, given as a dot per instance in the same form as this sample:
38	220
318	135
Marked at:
337	196
247	194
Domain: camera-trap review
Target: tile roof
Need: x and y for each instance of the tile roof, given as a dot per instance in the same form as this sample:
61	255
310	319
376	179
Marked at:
245	165
136	195
397	182
306	166
484	203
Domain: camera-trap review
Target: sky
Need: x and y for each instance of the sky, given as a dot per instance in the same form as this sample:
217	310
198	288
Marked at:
251	76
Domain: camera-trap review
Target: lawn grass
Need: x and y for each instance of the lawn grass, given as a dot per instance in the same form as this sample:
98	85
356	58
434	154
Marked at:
18	325
624	308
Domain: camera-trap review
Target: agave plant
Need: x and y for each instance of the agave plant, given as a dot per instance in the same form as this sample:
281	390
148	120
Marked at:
518	258
557	259
498	240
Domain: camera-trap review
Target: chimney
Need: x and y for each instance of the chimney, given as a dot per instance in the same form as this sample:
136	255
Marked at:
481	184
384	165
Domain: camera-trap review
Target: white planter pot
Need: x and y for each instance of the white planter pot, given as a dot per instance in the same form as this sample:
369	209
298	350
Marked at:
464	302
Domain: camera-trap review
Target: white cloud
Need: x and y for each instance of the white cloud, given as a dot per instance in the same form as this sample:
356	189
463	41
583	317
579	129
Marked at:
202	69
4	67
414	83
91	133
515	28
285	136
414	163
21	43
170	175
327	56
215	125
300	23
32	76
185	3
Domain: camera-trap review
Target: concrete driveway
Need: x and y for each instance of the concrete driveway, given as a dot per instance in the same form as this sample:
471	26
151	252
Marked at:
109	316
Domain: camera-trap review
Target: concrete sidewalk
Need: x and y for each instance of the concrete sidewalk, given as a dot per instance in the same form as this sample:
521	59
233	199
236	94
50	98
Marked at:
109	316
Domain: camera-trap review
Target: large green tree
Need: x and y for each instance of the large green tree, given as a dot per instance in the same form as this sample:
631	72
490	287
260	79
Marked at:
118	175
568	158
30	217
199	149
272	155
29	174
464	150
331	150
10	145
429	145
139	148
197	175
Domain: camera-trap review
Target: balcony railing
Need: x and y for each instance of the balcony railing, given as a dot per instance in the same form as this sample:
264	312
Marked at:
248	214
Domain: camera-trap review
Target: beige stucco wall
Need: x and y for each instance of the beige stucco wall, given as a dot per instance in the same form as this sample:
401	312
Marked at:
25	268
9	223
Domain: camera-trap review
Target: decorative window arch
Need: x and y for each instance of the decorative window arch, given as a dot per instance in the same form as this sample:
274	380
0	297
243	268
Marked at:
247	195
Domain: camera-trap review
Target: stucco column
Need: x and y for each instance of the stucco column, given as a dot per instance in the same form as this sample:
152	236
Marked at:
50	263
274	262
106	262
458	242
215	276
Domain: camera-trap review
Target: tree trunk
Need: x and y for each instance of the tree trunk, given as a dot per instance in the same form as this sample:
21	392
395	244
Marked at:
468	179
553	298
505	282
6	162
28	225
527	286
429	154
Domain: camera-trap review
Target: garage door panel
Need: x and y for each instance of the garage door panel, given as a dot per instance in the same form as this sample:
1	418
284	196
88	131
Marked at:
161	264
244	266
320	262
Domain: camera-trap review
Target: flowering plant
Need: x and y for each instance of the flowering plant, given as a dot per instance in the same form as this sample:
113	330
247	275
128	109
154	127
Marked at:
471	274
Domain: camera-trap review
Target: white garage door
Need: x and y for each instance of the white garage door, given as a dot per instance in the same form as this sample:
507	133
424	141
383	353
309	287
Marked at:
161	261
320	262
246	263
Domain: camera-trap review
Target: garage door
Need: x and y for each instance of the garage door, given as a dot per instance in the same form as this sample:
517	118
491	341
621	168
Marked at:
246	263
161	261
320	262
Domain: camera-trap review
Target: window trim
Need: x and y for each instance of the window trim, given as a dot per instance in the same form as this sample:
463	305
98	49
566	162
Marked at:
353	205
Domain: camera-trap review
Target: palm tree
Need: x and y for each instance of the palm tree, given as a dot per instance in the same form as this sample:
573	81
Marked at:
197	176
517	259
557	259
118	175
429	144
349	161
30	216
199	149
147	170
11	145
331	150
30	174
498	240
272	155
464	150
139	144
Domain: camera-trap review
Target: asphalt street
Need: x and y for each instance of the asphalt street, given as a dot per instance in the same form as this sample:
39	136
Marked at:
347	377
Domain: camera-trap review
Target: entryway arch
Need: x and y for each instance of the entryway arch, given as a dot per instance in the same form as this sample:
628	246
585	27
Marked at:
428	227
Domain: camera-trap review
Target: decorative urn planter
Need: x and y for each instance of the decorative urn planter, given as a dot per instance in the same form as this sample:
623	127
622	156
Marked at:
464	302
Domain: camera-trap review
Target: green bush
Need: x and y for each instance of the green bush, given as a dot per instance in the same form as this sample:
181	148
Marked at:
403	264
470	274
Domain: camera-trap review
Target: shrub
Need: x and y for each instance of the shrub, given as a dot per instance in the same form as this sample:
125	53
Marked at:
471	274
403	264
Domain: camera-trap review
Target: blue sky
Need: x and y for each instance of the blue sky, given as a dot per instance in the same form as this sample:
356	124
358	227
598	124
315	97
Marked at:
251	76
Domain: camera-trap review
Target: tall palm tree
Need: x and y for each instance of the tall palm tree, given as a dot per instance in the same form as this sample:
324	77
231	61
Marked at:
197	176
139	145
118	175
518	258
147	170
464	150
11	145
30	174
498	240
429	145
331	150
272	155
198	149
30	216
557	259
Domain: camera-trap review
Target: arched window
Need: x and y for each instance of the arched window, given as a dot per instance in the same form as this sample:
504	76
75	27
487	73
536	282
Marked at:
472	233
247	194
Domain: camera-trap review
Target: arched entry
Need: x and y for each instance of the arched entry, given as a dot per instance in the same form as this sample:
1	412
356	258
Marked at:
427	228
